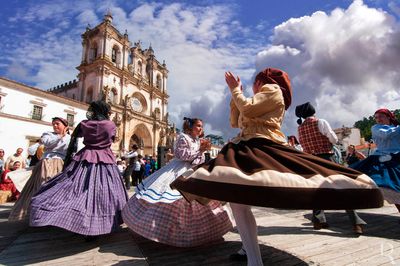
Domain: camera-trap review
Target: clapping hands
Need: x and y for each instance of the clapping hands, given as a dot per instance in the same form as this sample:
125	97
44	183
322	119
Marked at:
205	145
232	81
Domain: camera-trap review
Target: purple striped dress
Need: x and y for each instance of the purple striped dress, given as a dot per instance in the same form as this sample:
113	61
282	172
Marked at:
88	196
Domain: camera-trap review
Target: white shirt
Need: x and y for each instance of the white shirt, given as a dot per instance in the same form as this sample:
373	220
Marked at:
33	148
137	166
326	130
131	154
55	146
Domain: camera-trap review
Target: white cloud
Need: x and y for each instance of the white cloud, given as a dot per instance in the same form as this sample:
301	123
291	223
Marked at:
346	63
198	44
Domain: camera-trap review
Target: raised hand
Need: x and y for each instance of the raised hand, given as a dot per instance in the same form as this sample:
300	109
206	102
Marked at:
232	81
205	144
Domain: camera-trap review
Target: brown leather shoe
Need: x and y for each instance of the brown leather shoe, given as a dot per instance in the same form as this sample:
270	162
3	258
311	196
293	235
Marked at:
318	225
358	229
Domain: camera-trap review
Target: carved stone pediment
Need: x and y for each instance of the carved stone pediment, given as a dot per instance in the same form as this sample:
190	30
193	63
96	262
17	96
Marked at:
117	119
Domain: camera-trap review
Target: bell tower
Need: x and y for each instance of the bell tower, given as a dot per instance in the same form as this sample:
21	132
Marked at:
105	53
129	78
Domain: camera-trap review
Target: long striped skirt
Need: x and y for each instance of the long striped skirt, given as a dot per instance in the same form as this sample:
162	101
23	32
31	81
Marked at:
263	173
86	198
43	171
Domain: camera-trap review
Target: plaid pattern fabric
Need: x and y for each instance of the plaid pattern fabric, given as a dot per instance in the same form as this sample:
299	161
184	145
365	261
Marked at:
86	198
180	223
311	139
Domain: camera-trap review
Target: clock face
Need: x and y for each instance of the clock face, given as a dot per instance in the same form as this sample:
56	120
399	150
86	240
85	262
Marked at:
136	105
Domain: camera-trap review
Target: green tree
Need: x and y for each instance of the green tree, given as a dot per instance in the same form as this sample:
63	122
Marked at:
365	124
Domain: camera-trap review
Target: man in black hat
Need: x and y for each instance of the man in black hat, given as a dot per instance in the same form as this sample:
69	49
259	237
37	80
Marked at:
317	138
133	157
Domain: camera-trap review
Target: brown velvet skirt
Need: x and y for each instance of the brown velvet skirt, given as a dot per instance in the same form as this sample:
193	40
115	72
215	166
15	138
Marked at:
260	172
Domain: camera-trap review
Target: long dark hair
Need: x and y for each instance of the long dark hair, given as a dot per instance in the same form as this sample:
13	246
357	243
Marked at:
73	146
98	110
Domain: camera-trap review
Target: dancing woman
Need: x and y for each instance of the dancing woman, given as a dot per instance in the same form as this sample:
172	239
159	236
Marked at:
161	214
55	144
383	166
88	196
259	168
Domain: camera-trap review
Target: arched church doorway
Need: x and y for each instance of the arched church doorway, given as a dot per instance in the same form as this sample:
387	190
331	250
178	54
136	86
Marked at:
142	137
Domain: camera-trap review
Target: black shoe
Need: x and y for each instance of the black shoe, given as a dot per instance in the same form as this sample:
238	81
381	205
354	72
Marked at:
238	257
318	225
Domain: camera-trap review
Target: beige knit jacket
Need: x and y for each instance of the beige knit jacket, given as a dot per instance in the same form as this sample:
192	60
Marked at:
259	116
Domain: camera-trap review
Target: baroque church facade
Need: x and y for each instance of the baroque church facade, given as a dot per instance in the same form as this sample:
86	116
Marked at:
128	77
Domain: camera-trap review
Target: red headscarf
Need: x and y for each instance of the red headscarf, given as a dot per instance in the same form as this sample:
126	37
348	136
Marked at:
279	77
390	115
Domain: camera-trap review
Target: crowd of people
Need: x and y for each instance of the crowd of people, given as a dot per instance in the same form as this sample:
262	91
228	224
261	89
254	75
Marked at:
183	203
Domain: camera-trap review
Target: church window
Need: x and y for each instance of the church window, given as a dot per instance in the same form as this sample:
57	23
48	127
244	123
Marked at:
93	53
37	112
130	57
114	55
139	69
89	95
159	82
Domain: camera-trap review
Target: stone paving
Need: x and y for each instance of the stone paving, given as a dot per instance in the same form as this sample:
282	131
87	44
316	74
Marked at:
286	238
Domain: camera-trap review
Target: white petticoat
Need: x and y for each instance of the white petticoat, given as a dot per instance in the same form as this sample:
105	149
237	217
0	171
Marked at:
155	188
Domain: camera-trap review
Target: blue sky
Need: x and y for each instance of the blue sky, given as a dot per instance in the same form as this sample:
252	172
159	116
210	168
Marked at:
343	56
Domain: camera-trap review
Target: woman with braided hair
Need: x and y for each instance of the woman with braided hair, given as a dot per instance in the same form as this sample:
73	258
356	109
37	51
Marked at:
161	214
88	196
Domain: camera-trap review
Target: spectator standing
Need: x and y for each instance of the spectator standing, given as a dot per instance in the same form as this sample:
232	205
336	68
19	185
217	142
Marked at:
121	167
147	168
132	156
2	161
